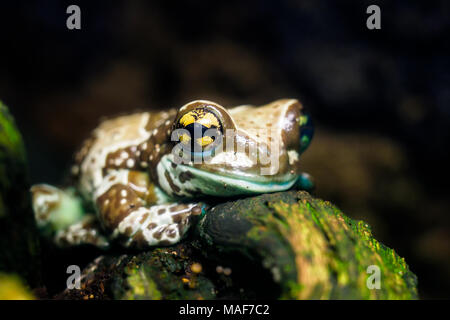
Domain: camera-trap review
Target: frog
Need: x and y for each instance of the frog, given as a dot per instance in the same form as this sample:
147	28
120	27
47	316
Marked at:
143	179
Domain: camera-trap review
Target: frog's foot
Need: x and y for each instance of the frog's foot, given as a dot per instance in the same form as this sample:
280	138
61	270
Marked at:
305	182
134	221
55	209
163	224
87	231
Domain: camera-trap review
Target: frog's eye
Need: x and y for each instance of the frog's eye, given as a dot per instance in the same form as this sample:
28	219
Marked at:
306	131
201	129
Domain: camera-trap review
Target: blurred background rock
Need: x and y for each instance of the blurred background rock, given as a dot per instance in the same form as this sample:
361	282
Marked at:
380	99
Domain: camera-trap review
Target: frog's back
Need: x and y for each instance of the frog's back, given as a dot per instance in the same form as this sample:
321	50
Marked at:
115	145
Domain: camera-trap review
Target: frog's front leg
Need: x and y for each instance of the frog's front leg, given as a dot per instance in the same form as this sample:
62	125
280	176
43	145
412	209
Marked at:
133	220
61	217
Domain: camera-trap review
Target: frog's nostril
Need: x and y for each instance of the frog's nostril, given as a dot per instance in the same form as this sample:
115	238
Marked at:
306	131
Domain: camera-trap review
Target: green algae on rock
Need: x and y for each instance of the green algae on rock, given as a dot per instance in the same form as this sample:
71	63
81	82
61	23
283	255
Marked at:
16	220
285	245
311	249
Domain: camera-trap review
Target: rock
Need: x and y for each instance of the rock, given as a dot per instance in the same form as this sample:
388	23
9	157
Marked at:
311	249
285	245
16	219
162	273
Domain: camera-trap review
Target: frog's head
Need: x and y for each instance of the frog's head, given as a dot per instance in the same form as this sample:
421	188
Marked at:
243	150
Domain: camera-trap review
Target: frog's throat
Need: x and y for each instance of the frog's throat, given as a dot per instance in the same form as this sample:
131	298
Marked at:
186	181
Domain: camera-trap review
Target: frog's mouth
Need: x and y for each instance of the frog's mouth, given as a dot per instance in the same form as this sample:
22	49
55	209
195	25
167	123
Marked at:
189	181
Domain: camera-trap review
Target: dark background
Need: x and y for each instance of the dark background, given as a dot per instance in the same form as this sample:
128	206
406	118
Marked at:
380	98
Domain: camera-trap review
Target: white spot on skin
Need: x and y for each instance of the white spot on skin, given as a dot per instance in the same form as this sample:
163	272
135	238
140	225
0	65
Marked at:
123	201
144	164
123	193
130	163
124	154
293	156
155	132
75	170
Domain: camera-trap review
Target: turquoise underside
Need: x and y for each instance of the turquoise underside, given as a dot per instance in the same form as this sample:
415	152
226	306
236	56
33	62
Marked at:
215	184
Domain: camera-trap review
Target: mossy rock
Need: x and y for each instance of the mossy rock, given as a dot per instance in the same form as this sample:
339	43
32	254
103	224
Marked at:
309	247
162	273
19	242
284	245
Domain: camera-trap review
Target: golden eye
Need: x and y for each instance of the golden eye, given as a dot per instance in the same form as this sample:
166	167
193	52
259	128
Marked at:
203	128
